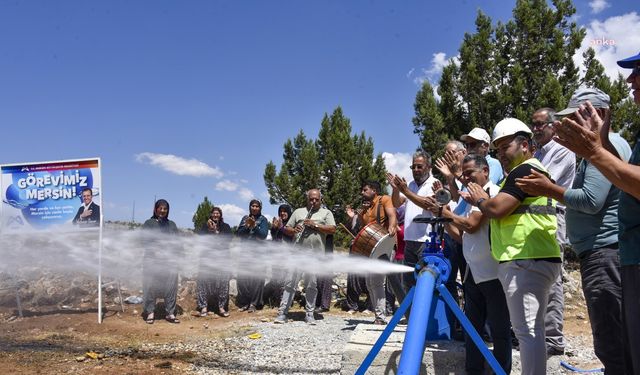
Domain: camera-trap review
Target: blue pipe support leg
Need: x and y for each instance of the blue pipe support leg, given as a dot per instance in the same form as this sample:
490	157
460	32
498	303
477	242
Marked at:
468	328
413	347
404	306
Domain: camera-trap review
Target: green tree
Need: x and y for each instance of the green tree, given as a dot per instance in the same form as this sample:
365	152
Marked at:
428	122
300	171
626	119
594	75
511	69
201	215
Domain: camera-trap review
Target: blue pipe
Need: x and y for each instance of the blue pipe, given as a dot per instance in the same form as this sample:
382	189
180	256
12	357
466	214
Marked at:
575	369
386	333
413	347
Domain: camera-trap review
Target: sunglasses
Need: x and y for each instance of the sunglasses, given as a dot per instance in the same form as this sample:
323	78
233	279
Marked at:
541	124
417	166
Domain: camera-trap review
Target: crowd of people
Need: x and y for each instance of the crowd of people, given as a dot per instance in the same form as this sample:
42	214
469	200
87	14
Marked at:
511	219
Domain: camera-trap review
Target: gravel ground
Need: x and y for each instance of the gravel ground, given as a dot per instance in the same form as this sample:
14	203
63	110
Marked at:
297	348
292	348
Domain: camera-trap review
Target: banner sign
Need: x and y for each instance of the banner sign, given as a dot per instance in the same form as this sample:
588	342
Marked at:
58	194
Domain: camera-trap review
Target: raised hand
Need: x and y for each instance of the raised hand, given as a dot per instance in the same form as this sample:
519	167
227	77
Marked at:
476	192
442	166
390	180
250	222
452	160
585	134
437	185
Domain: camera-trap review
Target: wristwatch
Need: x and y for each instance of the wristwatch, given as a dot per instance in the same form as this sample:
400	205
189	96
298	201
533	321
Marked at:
480	201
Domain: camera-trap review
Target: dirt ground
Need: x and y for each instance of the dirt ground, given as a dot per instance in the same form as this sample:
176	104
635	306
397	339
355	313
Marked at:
55	341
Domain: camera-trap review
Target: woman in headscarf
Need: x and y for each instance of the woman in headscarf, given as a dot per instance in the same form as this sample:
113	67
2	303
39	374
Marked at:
275	287
278	223
159	273
253	227
211	282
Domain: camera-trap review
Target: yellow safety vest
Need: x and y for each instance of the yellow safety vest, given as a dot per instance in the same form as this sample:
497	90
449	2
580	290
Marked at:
529	231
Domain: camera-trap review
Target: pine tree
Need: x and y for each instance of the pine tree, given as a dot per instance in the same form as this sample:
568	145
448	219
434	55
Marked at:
594	75
428	122
299	172
511	69
201	215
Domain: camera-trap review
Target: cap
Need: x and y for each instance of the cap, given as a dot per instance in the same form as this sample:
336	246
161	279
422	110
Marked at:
630	62
478	134
597	98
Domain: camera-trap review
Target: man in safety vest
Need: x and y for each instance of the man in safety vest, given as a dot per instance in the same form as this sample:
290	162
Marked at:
523	241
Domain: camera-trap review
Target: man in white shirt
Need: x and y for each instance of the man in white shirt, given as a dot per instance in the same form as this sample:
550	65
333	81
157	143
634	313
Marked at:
415	195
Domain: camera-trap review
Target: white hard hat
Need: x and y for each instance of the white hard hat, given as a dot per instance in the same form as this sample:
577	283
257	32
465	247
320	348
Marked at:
508	127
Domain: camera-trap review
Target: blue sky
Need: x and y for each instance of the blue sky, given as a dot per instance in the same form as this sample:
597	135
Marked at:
186	99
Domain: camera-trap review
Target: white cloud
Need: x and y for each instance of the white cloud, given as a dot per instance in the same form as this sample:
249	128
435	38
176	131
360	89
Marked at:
432	74
246	194
410	72
178	165
398	163
227	185
598	6
232	214
613	39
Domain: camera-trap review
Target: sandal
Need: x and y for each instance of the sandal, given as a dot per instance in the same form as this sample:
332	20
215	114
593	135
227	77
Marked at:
150	318
172	319
224	313
203	312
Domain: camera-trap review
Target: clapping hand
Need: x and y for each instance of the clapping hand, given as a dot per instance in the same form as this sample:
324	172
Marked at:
250	222
476	192
586	134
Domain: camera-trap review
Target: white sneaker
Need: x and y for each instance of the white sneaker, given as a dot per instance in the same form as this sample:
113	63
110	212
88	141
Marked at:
309	319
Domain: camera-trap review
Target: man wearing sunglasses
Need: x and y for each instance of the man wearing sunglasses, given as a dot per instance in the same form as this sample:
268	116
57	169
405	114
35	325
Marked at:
587	134
414	194
477	142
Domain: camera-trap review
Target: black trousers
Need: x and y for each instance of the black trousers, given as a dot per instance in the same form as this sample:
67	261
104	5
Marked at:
486	302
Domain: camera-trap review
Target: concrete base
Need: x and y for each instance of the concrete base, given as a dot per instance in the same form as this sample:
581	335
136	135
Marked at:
440	357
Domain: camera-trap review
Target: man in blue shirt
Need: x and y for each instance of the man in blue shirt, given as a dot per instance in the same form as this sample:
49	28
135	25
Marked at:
477	142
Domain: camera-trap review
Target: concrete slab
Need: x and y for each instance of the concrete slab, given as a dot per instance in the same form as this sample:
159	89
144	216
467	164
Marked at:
440	357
